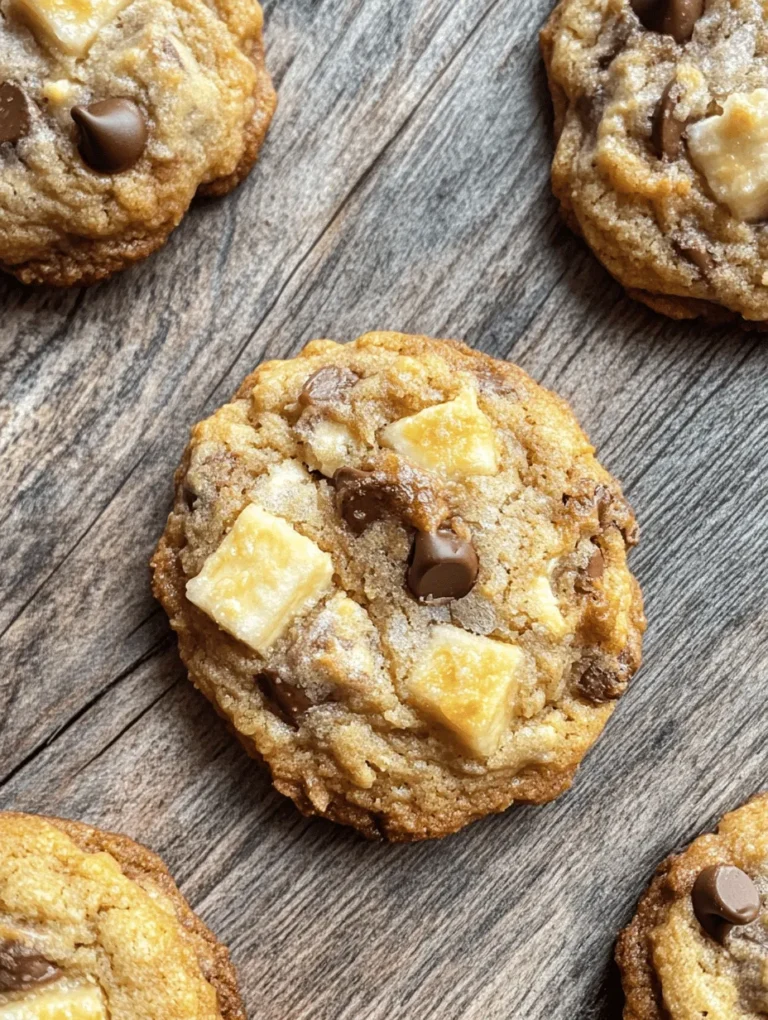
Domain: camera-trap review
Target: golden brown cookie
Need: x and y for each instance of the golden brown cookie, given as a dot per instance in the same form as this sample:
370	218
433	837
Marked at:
114	114
93	927
661	117
396	568
698	944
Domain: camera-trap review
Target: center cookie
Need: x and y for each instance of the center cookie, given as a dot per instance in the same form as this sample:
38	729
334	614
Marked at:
661	113
113	115
397	569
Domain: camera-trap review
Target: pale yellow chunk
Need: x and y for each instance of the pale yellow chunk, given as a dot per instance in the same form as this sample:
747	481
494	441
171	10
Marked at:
331	445
455	438
262	575
83	1003
68	25
731	150
468	684
542	606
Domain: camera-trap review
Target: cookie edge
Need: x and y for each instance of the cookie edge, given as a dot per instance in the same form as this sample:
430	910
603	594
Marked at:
670	305
139	862
91	261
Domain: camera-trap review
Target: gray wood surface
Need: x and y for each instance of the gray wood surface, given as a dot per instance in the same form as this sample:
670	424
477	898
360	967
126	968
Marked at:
404	185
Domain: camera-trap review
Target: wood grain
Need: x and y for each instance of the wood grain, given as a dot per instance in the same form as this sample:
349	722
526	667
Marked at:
403	186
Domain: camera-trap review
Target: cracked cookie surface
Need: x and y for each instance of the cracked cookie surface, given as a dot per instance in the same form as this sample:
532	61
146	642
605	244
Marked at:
92	927
396	567
698	944
661	117
113	116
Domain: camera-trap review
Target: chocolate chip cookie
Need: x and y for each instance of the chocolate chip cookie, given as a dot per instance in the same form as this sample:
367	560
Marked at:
396	568
92	927
114	114
661	116
698	945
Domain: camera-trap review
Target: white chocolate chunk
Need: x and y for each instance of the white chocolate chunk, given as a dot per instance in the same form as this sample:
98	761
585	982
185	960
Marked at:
59	93
731	150
262	575
349	649
68	25
455	438
541	605
330	445
287	490
84	1002
468	684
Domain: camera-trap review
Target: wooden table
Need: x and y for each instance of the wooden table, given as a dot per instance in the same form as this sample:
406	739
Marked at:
403	186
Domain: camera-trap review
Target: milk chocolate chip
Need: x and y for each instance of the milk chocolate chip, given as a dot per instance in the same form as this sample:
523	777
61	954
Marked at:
599	683
362	498
14	113
112	134
594	570
289	701
669	17
700	258
327	386
443	566
666	129
21	967
724	895
389	488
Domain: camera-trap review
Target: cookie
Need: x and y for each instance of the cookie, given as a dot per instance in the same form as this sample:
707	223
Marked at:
698	945
113	116
92	927
661	117
396	568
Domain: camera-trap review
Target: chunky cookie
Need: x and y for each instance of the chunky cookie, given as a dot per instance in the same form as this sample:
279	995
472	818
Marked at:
397	569
698	945
661	114
92	927
114	114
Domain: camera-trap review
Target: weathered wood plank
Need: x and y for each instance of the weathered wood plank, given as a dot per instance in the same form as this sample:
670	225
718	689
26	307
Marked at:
404	185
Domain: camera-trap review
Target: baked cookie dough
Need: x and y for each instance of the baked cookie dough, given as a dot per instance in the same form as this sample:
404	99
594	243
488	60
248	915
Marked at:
92	927
661	116
698	945
114	114
397	569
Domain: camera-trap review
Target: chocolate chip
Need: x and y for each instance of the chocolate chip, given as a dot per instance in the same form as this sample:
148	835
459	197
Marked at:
724	895
666	129
21	967
590	108
700	258
189	496
14	113
362	498
289	701
112	134
594	570
389	488
327	386
599	683
443	566
669	17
